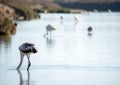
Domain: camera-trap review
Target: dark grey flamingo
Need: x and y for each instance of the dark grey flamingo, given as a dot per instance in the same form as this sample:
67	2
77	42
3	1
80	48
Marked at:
26	49
49	29
90	30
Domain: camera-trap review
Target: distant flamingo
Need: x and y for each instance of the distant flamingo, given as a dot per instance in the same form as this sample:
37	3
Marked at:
61	19
76	19
90	30
49	29
26	49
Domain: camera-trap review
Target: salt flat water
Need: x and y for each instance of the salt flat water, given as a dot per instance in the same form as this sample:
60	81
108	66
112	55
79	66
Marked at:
70	56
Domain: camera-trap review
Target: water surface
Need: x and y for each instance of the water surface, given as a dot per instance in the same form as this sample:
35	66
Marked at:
70	56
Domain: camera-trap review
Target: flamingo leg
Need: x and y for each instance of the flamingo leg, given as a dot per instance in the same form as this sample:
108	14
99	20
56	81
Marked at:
21	60
29	63
50	34
21	77
46	34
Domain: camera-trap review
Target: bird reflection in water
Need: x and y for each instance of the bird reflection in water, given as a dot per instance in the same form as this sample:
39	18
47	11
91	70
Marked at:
50	42
22	81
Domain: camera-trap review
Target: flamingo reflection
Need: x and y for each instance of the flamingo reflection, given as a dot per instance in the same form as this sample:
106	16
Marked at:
22	81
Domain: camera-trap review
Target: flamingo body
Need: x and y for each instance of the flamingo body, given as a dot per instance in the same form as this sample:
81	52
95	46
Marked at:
50	27
90	29
26	49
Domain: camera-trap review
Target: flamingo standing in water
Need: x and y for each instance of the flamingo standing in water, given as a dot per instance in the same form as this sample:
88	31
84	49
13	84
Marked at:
49	29
76	19
90	30
61	19
26	49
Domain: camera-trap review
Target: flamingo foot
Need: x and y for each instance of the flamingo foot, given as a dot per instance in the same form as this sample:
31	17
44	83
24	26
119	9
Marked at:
29	66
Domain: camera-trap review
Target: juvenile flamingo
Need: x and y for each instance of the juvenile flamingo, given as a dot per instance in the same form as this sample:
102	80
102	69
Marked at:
49	29
90	30
26	49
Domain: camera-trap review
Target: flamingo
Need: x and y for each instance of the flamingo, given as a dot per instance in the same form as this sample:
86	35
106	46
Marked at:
26	49
76	19
49	28
61	19
90	30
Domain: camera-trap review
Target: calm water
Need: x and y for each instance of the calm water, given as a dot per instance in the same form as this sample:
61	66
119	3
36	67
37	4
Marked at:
70	56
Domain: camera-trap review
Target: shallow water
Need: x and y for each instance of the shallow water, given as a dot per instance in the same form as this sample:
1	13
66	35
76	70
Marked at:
70	56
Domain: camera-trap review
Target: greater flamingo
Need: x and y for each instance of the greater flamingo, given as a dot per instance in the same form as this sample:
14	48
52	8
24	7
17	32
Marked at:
90	30
26	49
76	19
61	19
49	29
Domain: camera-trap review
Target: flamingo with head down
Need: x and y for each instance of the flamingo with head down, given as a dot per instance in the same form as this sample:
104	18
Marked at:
26	49
49	29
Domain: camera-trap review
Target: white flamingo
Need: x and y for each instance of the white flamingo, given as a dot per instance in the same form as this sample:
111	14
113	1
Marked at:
76	19
26	49
49	29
